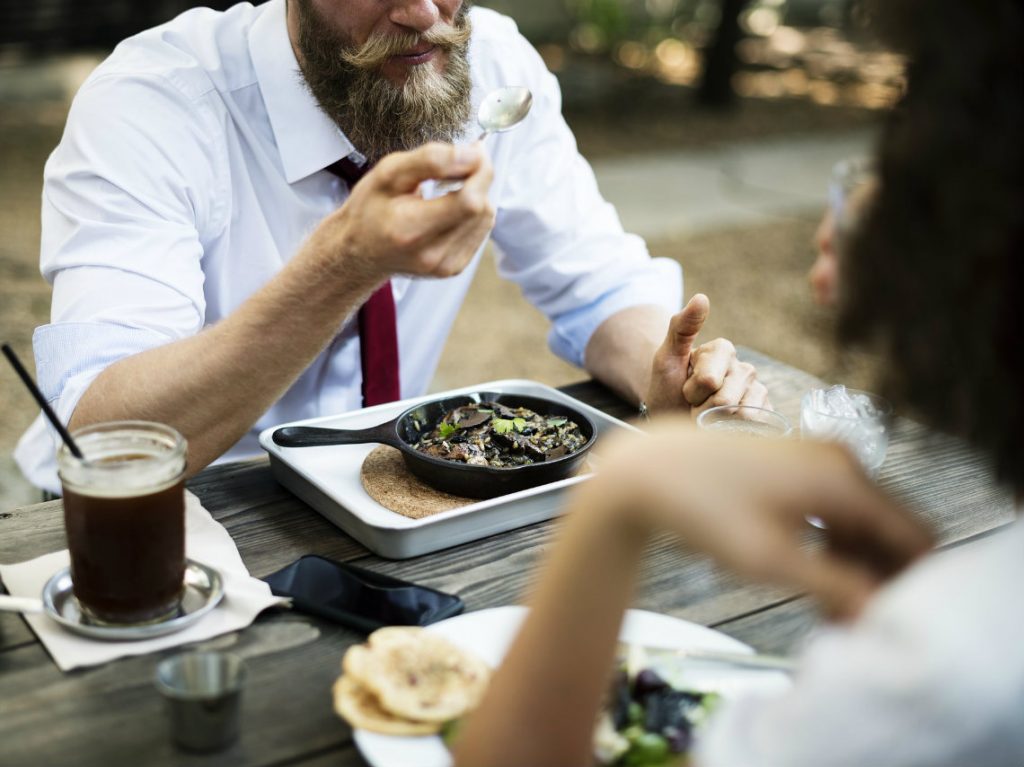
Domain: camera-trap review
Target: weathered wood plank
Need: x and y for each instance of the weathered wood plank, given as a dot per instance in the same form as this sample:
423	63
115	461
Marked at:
14	632
31	531
500	571
344	756
270	525
338	756
779	630
113	714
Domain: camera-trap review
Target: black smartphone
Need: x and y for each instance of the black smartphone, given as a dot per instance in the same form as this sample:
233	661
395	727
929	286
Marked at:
360	599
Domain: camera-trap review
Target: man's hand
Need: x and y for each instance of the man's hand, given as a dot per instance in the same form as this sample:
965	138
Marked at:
387	228
745	502
701	377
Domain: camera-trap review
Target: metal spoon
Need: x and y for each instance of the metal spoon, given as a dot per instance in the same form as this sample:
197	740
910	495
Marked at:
501	110
20	604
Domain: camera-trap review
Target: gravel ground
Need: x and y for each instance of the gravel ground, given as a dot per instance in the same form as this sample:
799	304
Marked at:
754	276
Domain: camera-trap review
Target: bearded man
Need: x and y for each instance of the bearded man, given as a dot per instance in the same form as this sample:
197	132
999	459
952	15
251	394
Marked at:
216	267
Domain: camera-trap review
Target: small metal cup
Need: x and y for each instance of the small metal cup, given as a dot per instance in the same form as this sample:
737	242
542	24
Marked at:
203	692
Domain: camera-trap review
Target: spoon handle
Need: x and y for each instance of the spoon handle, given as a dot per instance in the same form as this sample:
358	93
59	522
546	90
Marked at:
449	185
20	604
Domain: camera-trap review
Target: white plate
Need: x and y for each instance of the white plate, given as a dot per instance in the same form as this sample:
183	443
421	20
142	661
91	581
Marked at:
489	633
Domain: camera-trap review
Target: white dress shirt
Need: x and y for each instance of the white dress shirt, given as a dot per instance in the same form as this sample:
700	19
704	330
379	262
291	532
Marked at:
932	675
191	168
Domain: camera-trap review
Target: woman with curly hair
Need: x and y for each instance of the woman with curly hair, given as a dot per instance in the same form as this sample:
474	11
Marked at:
924	661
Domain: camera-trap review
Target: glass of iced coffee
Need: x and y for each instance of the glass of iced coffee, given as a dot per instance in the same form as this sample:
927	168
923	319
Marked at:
124	513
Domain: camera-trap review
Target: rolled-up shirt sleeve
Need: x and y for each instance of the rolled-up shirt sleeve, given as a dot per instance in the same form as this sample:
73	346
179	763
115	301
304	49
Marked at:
128	197
558	238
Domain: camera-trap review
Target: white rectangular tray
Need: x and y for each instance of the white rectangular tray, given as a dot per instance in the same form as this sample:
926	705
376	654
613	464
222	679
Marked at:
327	478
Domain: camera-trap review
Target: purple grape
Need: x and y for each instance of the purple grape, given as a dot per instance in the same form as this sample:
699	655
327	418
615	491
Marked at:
669	708
620	700
679	739
647	682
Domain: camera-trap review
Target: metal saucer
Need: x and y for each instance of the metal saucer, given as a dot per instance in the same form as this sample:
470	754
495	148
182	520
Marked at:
204	588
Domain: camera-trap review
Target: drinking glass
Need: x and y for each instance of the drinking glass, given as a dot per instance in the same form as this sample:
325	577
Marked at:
124	513
745	419
203	691
866	433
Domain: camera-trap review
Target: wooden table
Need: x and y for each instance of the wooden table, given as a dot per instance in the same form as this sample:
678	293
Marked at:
112	715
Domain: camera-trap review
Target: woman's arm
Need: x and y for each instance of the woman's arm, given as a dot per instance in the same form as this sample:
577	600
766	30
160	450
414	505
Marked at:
543	701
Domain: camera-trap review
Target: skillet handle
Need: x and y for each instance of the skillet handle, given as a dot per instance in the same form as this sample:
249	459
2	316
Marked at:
314	436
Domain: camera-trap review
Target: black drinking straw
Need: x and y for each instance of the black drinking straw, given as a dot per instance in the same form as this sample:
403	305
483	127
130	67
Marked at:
47	410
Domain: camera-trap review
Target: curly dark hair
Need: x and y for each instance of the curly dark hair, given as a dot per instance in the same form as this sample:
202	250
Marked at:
935	275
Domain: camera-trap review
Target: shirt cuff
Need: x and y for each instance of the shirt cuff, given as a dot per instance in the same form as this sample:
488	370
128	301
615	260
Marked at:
67	350
661	285
69	356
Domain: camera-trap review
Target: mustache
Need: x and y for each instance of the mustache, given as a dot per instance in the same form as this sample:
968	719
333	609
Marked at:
375	52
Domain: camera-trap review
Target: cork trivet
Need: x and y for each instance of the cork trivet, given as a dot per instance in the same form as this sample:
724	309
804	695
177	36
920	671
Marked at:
388	481
394	487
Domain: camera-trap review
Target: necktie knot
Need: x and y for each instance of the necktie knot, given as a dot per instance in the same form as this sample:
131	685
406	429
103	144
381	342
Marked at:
350	168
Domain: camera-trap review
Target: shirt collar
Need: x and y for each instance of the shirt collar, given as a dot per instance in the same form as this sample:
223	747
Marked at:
307	139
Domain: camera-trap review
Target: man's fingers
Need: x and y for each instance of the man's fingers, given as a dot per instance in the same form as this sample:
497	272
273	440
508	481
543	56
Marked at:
402	172
756	396
710	367
461	245
684	326
738	379
427	221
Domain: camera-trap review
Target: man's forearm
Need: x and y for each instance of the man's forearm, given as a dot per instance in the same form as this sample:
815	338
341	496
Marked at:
620	352
213	386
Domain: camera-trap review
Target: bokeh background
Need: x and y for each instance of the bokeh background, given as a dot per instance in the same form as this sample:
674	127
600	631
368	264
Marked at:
711	124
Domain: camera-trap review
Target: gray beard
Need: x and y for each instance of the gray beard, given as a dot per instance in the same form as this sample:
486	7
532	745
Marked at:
377	116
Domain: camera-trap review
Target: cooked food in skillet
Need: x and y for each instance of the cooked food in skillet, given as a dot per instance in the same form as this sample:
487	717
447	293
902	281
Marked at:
492	434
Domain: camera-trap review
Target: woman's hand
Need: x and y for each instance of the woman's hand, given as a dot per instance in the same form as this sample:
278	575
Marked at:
745	501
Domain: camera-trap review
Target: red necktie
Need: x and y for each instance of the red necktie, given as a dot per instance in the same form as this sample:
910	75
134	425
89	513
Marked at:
378	326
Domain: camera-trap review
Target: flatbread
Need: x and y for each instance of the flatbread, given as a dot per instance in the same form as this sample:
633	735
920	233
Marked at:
360	708
417	675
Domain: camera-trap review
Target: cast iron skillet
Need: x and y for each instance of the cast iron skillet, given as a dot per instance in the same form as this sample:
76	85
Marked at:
453	476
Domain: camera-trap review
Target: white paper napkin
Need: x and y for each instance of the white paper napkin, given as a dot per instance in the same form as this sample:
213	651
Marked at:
206	541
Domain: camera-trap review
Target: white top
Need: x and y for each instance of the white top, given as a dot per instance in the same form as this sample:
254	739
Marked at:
191	169
931	675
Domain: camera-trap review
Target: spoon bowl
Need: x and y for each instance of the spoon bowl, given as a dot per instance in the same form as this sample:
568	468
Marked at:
502	109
